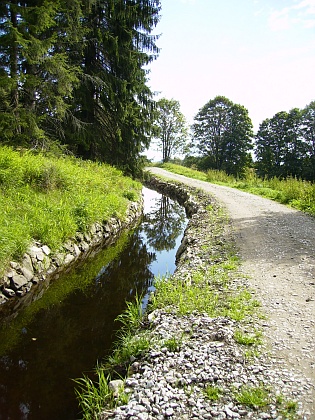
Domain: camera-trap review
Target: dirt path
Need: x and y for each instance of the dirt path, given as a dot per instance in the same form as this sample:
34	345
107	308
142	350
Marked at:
277	246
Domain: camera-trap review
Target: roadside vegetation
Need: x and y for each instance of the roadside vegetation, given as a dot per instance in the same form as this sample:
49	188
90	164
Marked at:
296	193
218	289
49	199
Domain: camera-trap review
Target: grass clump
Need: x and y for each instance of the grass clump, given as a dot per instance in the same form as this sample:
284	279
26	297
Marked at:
287	408
173	344
132	316
213	393
93	396
131	341
183	170
253	397
49	199
248	339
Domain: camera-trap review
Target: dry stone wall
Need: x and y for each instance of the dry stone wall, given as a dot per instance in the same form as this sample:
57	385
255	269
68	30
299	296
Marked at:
39	263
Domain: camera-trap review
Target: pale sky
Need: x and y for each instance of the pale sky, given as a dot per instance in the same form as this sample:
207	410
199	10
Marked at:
257	53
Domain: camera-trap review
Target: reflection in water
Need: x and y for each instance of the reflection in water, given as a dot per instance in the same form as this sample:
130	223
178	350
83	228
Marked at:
62	335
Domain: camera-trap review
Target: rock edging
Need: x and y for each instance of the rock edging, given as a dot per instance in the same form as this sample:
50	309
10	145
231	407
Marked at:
172	383
39	263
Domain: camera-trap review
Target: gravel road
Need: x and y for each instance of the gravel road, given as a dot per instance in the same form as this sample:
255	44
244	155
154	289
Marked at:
277	248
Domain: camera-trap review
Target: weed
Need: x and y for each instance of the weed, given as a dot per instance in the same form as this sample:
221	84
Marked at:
212	392
248	339
287	408
173	344
132	316
94	395
250	354
253	396
215	299
129	344
127	347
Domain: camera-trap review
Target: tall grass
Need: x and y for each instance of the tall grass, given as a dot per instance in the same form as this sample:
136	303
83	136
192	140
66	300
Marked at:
50	199
93	396
296	193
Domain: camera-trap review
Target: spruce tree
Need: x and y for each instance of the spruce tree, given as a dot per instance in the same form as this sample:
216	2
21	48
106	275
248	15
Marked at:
113	102
37	78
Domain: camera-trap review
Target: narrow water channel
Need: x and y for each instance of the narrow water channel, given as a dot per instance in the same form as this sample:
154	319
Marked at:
64	333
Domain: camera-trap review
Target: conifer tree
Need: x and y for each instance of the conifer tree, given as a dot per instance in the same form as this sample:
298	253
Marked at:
74	71
37	78
113	101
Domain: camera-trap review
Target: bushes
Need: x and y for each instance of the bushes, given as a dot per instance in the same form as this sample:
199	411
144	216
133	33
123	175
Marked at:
291	191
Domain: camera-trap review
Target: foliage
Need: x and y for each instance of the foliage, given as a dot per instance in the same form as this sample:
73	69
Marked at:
94	395
72	73
132	316
222	132
170	126
287	408
182	170
285	144
206	292
247	339
38	77
213	392
128	346
291	191
49	200
173	344
253	396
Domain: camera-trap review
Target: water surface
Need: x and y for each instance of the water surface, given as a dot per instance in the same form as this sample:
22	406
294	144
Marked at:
64	333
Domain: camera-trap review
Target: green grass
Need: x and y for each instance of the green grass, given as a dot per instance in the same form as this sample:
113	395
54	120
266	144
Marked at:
293	192
128	346
182	170
50	199
248	339
212	392
287	408
131	341
173	344
253	397
93	396
204	294
132	317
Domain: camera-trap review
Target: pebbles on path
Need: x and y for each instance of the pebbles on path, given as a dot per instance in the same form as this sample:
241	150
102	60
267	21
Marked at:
172	383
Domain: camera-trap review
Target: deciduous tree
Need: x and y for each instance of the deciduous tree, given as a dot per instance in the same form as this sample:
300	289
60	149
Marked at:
171	128
222	131
308	132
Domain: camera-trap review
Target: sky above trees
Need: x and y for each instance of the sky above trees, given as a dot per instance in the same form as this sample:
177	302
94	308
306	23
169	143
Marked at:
257	53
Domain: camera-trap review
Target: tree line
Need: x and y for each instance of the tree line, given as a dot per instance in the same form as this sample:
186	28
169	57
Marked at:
222	138
73	73
73	76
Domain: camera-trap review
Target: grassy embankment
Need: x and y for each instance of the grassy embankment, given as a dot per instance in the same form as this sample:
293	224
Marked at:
222	295
49	199
295	193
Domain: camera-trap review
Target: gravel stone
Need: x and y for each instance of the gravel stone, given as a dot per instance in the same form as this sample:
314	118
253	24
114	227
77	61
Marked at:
209	354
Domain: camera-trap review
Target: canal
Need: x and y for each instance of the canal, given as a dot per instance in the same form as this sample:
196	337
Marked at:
70	327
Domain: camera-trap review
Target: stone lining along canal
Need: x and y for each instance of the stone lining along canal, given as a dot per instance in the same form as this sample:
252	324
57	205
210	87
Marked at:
64	332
